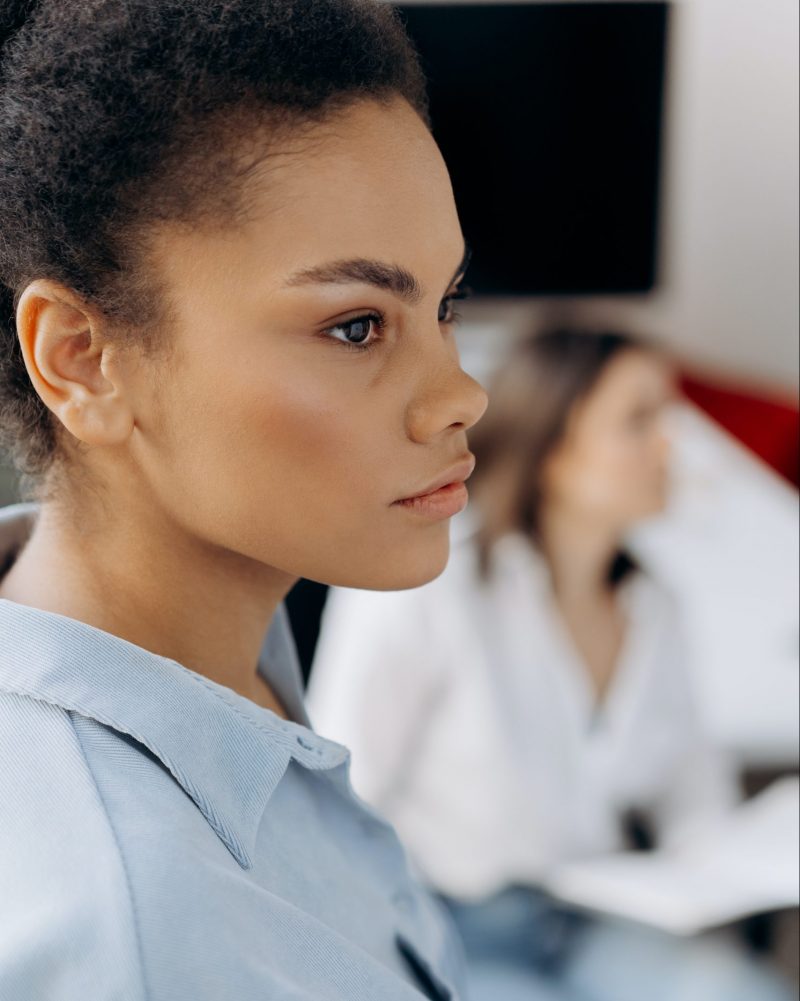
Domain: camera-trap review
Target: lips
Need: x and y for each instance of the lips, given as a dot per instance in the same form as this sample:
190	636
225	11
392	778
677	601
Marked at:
456	474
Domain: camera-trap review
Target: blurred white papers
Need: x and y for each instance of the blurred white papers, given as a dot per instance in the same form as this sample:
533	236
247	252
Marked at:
745	866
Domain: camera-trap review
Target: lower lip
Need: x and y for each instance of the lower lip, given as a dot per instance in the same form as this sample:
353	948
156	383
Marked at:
442	503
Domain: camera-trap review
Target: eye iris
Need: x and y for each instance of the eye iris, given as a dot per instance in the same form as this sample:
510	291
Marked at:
358	330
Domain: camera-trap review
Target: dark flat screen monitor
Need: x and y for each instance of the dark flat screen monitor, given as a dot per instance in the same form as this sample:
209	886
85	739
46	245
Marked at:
549	116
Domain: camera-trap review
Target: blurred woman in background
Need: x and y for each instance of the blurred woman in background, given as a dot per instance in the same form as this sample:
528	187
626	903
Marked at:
532	705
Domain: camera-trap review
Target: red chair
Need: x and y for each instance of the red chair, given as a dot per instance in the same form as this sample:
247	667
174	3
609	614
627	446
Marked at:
769	427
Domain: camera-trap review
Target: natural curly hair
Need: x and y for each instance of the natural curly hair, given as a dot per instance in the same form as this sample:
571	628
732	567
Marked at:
116	114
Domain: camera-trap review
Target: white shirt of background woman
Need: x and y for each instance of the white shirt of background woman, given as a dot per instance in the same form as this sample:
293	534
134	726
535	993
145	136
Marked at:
474	726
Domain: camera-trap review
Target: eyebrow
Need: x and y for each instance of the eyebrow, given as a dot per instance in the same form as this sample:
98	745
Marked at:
363	270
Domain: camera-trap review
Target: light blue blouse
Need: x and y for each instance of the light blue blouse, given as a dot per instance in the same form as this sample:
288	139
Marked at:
164	838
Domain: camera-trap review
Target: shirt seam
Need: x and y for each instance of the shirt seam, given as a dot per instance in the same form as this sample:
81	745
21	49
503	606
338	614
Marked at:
128	885
283	729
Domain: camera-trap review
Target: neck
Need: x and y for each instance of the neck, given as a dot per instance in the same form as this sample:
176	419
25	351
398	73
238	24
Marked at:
579	552
152	583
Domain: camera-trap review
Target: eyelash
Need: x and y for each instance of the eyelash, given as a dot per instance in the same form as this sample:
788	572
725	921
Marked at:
379	321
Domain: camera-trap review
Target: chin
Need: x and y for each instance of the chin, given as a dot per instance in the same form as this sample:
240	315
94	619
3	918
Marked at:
417	579
656	506
409	567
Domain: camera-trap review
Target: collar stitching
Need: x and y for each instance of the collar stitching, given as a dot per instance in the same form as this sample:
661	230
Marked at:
283	729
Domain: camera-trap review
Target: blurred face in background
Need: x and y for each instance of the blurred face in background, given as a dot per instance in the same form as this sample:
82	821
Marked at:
611	466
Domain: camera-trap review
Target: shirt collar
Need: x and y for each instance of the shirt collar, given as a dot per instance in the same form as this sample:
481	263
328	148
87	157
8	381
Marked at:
227	753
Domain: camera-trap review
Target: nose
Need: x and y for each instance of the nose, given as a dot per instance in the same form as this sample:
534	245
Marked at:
447	400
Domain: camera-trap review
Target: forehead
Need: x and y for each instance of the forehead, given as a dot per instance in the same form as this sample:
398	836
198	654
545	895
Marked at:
368	182
634	375
369	177
635	378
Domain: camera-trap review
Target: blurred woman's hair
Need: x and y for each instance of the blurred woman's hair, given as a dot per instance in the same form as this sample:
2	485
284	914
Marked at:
531	399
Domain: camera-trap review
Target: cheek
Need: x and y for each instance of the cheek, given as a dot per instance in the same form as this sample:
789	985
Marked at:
285	436
635	480
282	464
639	458
297	470
596	479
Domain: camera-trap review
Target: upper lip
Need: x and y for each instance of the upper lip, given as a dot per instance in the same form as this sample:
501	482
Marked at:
455	474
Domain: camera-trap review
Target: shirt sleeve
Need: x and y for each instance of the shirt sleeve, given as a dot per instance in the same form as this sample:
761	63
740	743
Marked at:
378	675
703	790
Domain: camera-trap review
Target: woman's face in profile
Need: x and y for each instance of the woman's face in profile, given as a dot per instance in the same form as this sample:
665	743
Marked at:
613	463
314	380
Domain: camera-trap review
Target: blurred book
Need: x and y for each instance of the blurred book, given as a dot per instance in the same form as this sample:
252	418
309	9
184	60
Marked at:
746	865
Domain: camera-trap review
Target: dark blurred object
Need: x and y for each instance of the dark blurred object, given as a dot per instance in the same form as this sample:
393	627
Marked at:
774	933
549	118
639	831
768	427
304	604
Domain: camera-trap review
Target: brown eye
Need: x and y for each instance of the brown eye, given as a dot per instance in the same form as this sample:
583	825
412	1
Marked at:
447	311
360	333
357	331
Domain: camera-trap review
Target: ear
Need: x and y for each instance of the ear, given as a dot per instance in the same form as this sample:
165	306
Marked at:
72	367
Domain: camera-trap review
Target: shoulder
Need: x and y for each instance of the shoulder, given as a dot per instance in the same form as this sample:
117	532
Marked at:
44	764
65	910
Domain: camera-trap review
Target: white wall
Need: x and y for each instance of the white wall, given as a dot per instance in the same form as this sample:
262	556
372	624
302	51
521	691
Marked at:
730	222
728	297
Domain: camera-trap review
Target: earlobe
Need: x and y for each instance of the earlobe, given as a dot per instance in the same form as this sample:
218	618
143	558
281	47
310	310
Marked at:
71	365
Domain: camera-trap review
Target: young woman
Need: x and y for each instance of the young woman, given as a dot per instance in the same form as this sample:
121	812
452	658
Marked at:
532	706
229	256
